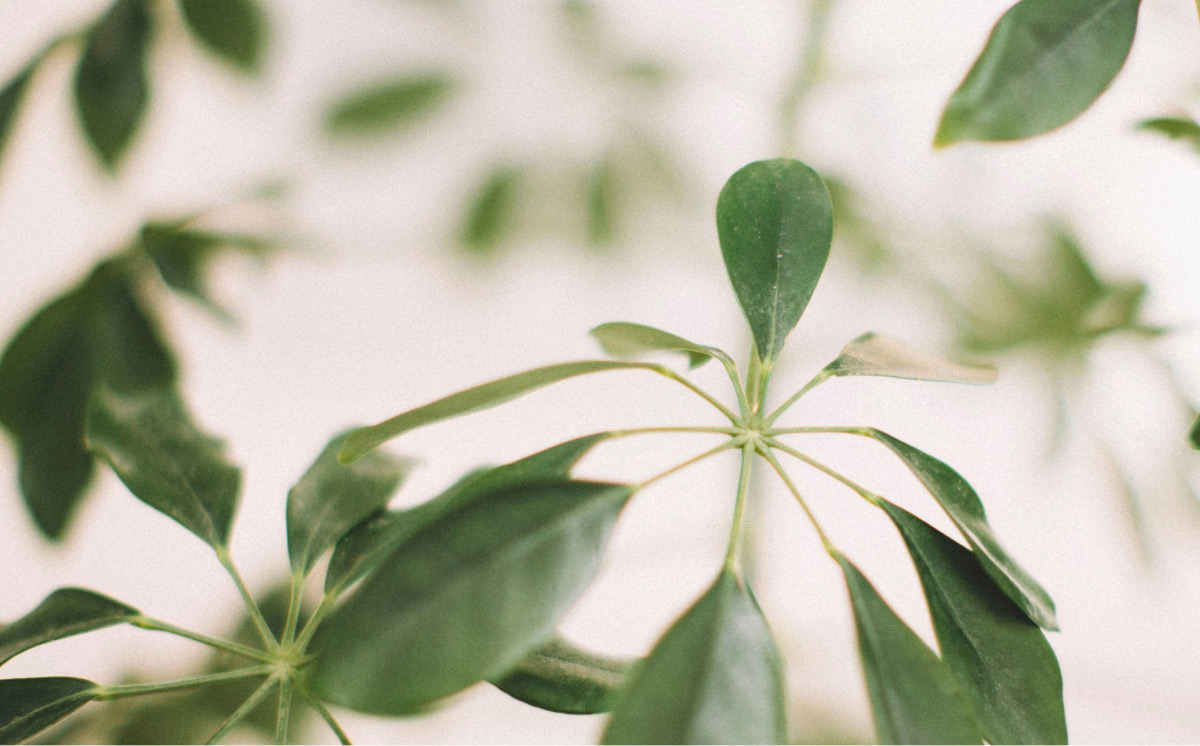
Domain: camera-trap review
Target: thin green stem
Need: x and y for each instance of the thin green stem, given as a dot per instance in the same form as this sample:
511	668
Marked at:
294	600
863	492
145	622
106	693
812	518
732	443
649	430
753	377
240	713
264	630
739	505
284	715
314	621
863	431
731	369
327	716
667	372
820	377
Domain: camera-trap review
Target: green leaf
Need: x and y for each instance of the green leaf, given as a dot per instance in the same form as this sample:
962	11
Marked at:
1000	659
29	706
111	89
601	188
624	340
64	613
387	106
913	697
467	597
10	99
560	677
714	677
165	461
775	225
876	355
131	354
474	399
1194	435
1045	62
961	503
330	499
490	214
1186	130
233	29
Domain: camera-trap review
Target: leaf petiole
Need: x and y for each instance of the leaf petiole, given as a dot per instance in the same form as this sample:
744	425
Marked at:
284	714
819	378
863	492
260	623
739	506
778	467
293	617
326	715
733	443
145	622
667	372
314	621
107	693
613	434
240	713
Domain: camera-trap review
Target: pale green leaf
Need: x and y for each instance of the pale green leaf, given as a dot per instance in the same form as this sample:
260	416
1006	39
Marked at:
29	706
876	355
490	214
64	613
233	29
624	340
1176	128
561	677
387	106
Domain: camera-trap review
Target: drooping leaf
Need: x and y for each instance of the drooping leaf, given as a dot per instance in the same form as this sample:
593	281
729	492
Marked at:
714	677
474	399
330	499
561	677
1000	659
624	340
388	106
490	213
913	696
166	461
1176	128
64	613
775	225
111	89
233	29
601	199
29	706
961	503
11	96
1045	62
467	597
876	355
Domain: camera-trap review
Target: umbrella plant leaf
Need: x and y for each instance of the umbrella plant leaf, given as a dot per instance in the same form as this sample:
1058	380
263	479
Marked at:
1176	128
233	29
131	354
1045	62
11	96
1001	660
387	106
624	340
561	677
29	706
775	225
166	461
1194	435
479	587
876	355
491	212
64	613
714	677
601	190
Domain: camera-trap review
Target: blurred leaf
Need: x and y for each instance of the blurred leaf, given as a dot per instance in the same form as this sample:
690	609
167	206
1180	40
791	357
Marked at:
165	461
714	677
854	227
10	99
28	706
233	29
647	72
387	106
483	585
876	355
1194	435
64	613
775	225
1045	62
1186	130
1000	659
560	677
111	89
132	355
913	697
601	194
490	216
622	339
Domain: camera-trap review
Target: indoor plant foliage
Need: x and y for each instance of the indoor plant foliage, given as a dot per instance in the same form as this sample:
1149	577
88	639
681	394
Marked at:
399	624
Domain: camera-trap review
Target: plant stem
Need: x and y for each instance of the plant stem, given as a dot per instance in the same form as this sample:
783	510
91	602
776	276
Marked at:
739	506
293	617
819	378
665	371
863	492
264	630
314	621
327	716
106	693
863	431
732	443
731	370
145	622
778	467
285	711
240	713
649	430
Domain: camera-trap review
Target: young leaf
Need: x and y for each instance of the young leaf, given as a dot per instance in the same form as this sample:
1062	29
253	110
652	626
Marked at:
474	399
489	216
913	697
1186	130
165	461
1045	62
233	29
714	677
29	706
387	106
110	82
330	499
876	355
467	597
560	677
64	613
10	99
624	340
1001	659
775	225
961	503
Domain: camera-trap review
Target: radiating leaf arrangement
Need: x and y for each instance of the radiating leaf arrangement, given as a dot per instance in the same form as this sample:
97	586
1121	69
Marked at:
111	85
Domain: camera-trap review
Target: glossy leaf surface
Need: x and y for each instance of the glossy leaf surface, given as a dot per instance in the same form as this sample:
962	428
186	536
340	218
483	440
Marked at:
1001	660
624	340
561	677
1045	62
330	499
233	29
64	613
29	706
387	106
1176	128
490	215
913	697
474	399
467	597
876	355
166	461
111	89
775	224
11	96
714	677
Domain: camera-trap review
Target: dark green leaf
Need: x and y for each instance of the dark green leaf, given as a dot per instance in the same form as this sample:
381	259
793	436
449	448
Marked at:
29	706
961	503
876	355
64	613
474	399
714	677
562	678
913	697
330	499
622	339
234	29
1045	62
775	224
1194	435
490	215
387	106
1000	659
601	194
131	354
1179	128
111	89
467	597
10	99
165	461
